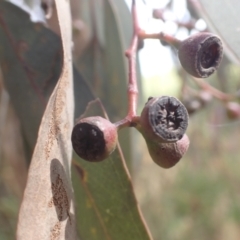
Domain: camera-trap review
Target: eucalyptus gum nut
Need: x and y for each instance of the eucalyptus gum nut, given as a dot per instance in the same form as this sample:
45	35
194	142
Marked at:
163	119
166	155
94	138
201	54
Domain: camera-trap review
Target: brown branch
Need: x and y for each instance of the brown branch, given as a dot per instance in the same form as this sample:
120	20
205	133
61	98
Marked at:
161	36
131	119
214	92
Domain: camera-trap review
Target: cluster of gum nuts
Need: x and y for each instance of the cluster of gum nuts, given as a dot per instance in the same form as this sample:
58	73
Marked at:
163	120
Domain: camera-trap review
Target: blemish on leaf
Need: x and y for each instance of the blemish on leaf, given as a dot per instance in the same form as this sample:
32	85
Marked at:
55	231
55	122
50	203
60	199
54	129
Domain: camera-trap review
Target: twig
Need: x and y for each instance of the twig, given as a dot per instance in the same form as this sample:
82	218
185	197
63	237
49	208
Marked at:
215	92
161	36
131	119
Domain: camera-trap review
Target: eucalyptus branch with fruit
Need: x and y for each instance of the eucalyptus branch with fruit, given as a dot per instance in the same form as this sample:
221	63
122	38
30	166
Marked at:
164	120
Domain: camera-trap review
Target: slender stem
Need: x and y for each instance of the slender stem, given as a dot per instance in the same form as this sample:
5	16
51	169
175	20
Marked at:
126	122
131	54
215	92
132	82
161	36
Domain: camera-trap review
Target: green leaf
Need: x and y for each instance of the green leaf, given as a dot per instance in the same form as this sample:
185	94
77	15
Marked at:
104	67
82	94
105	202
31	62
222	17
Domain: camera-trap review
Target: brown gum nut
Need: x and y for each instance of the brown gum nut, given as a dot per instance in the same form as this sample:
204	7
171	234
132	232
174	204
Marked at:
201	54
164	119
166	155
94	138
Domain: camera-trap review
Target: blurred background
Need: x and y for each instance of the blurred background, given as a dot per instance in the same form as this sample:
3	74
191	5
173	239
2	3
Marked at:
198	198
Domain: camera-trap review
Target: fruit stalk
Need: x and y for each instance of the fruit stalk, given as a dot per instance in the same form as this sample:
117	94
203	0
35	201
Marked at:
131	119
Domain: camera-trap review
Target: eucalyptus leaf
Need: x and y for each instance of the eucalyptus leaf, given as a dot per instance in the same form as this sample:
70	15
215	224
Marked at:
222	17
106	206
47	210
31	62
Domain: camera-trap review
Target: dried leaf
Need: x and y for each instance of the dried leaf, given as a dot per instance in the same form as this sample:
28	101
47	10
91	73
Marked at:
47	208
